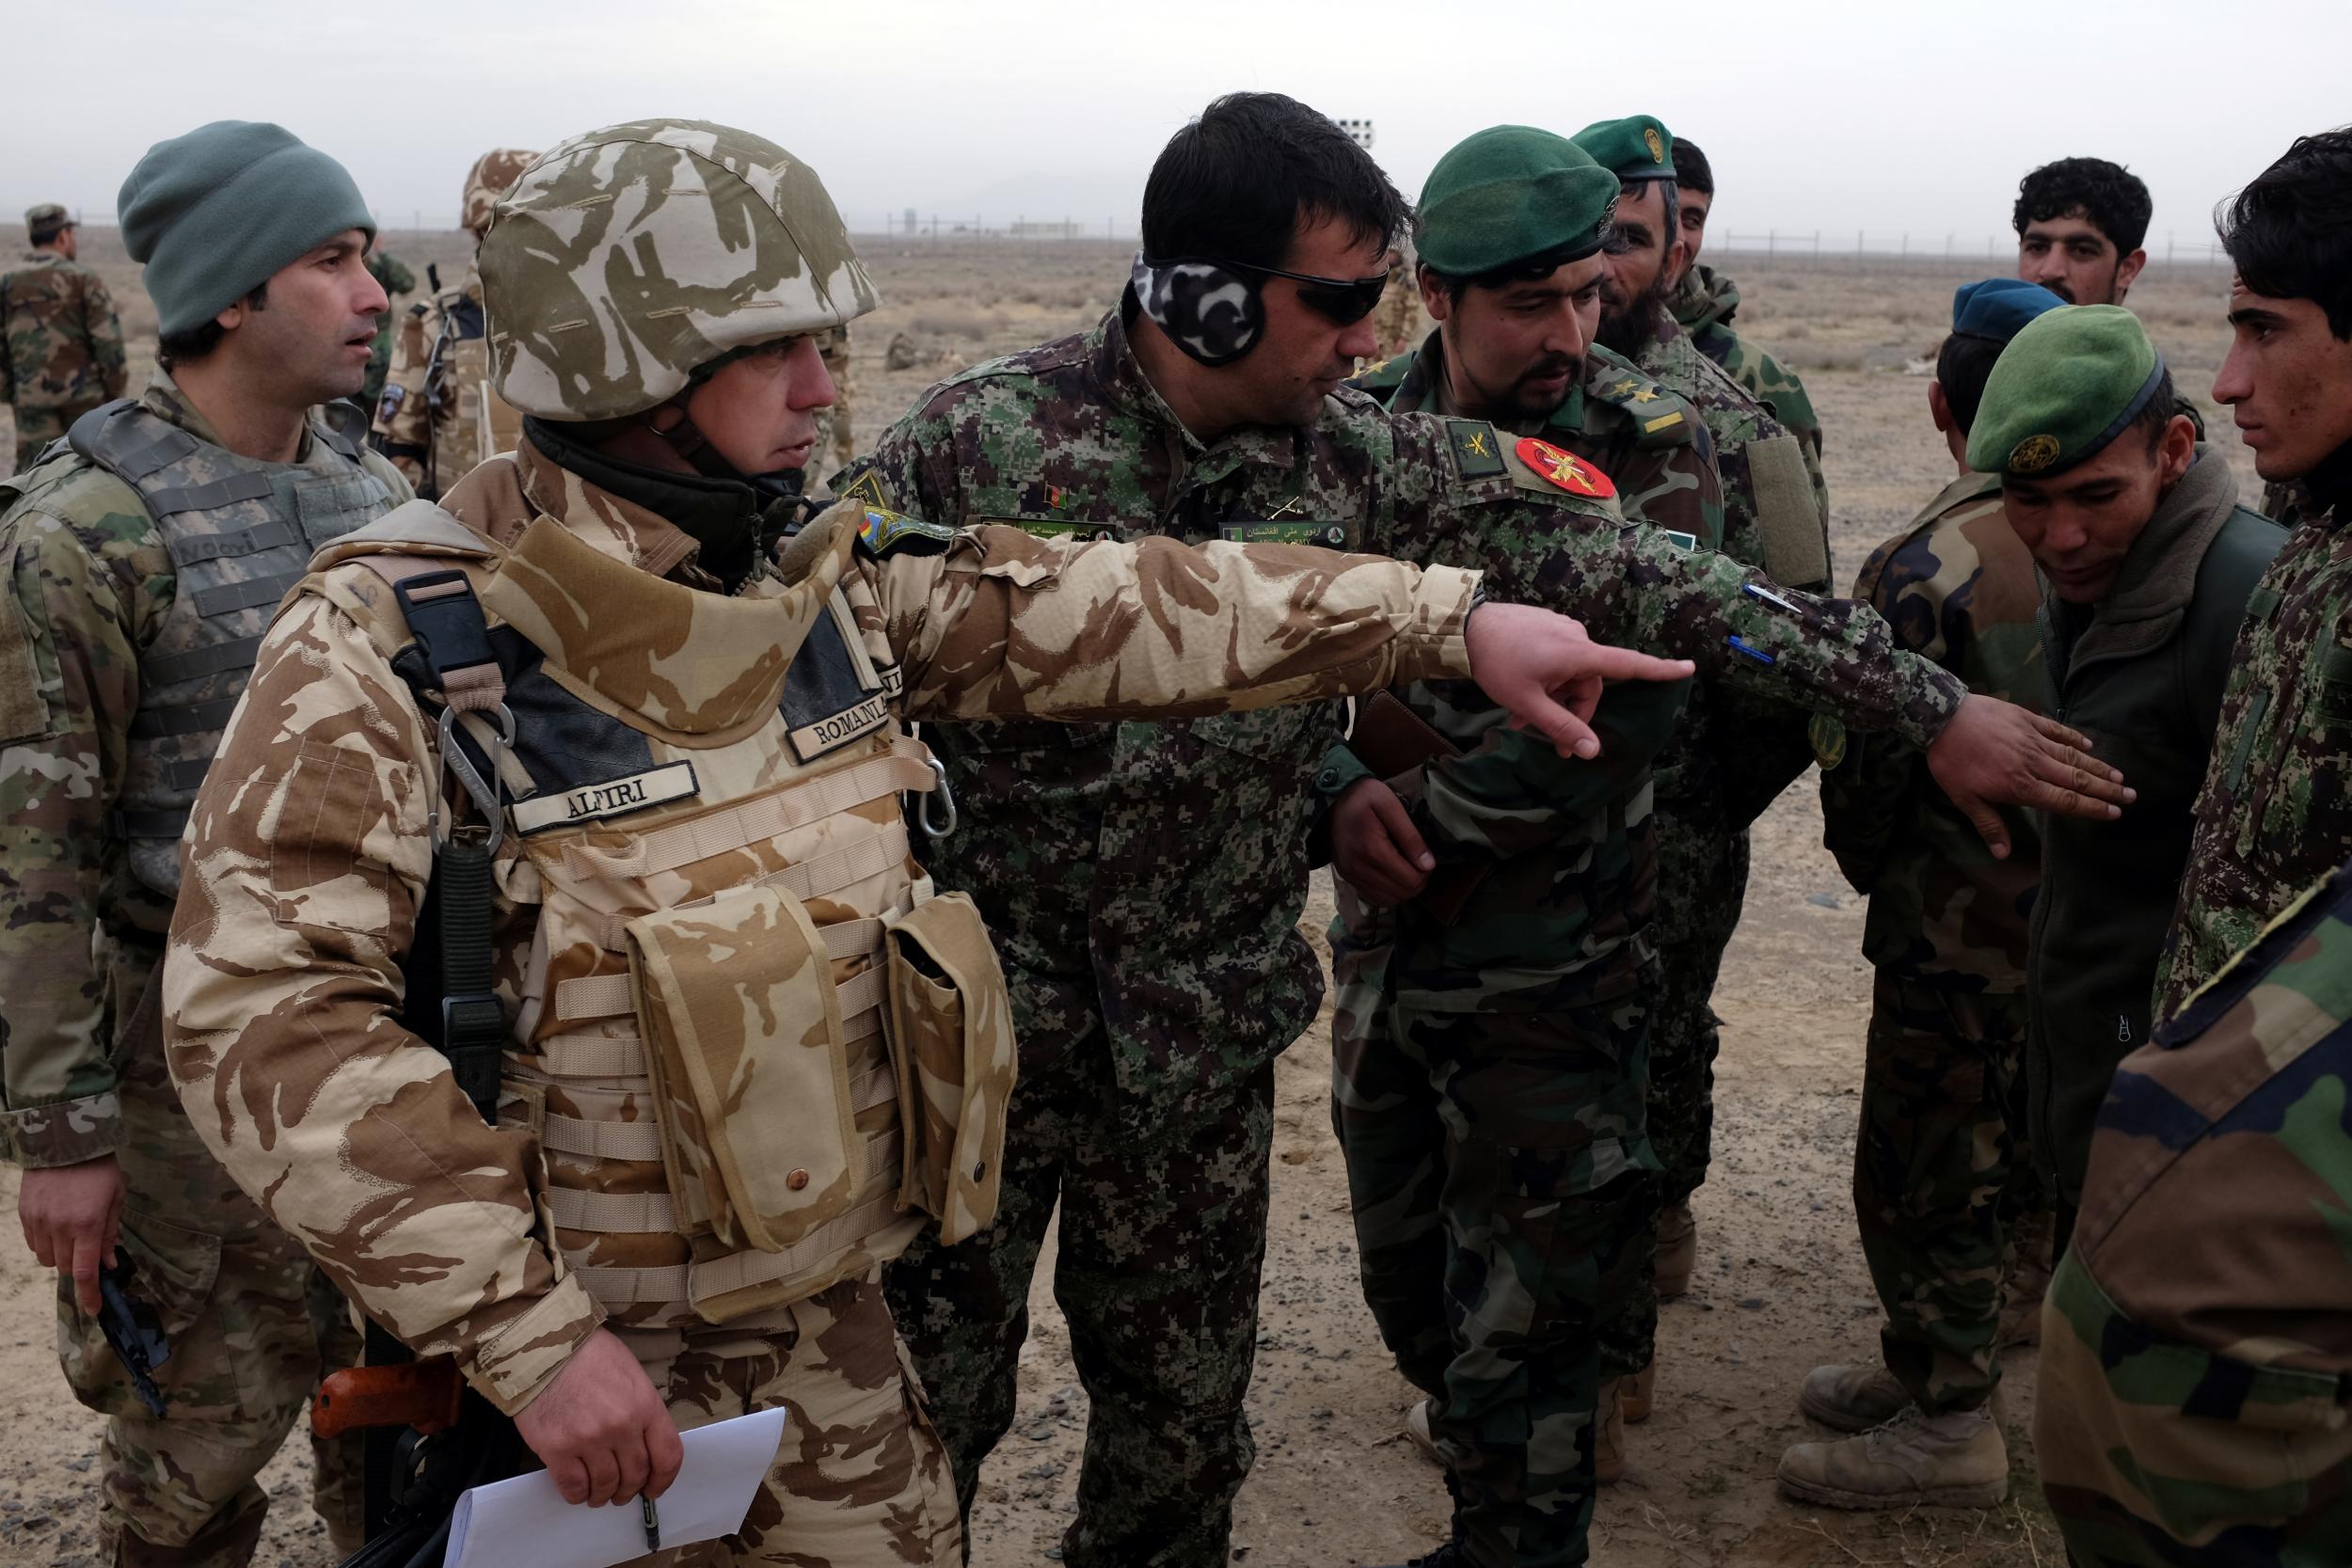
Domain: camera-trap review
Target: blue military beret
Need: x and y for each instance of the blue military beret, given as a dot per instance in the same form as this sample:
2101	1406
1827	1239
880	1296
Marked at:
1998	306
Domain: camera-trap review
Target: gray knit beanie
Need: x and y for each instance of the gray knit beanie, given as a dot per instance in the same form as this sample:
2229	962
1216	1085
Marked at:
213	214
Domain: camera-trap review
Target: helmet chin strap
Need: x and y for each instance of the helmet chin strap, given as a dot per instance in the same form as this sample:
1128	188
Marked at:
685	439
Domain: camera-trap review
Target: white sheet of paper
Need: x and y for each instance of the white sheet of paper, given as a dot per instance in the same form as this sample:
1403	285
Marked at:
525	1523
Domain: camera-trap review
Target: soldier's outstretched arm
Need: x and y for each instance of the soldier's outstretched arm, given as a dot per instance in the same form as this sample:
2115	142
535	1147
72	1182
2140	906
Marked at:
308	856
1632	588
993	623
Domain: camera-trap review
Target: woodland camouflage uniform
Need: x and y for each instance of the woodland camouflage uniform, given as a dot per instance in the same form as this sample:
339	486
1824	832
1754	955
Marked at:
2195	1342
63	352
1943	1179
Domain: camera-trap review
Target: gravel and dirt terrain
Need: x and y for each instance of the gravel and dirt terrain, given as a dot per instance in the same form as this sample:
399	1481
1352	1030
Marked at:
1780	1285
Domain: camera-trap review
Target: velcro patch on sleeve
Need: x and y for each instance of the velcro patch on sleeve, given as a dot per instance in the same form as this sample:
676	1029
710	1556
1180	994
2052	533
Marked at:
1330	536
1057	528
868	487
883	531
1796	546
1477	450
1563	469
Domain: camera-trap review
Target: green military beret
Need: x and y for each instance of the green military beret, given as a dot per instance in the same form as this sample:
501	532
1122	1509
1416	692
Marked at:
1512	194
2071	381
1634	148
45	221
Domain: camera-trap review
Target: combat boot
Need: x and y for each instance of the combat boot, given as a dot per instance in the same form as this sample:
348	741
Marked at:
1608	1431
1633	1395
1851	1399
1417	1423
1914	1461
1677	1251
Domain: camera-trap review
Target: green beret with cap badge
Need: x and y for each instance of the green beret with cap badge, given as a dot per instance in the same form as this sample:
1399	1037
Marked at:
1509	195
1634	148
2070	382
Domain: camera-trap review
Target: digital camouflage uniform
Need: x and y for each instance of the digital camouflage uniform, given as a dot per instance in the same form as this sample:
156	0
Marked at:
2276	810
835	440
1942	1177
428	415
1704	303
1488	1071
393	275
2197	1339
1730	757
91	588
1144	883
64	354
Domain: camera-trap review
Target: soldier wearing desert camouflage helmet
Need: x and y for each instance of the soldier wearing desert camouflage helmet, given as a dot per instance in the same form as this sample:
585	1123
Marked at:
430	418
60	341
681	749
144	558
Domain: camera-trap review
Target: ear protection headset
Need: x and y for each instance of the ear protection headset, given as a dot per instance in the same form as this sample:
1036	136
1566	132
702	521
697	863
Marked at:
1210	311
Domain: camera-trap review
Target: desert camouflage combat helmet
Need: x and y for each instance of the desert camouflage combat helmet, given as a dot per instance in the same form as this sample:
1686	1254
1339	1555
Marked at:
492	176
624	260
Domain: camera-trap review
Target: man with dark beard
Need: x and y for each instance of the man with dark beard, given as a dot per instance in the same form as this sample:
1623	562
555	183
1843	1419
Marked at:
1771	519
1508	1013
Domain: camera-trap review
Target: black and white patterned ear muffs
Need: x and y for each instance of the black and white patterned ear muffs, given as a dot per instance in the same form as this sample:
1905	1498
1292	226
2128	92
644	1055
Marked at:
1213	314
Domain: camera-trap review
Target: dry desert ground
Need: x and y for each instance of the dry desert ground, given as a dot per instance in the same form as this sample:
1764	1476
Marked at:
1781	1285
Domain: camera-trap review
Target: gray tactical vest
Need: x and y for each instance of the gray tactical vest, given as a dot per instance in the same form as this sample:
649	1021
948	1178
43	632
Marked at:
239	533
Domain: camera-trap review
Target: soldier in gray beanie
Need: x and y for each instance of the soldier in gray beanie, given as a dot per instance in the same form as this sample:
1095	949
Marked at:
213	214
255	249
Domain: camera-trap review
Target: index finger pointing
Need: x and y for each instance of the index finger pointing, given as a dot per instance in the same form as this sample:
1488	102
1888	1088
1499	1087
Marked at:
1625	664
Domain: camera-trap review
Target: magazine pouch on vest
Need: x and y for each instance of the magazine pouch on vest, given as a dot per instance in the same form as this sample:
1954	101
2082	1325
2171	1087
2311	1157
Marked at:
742	1027
951	1023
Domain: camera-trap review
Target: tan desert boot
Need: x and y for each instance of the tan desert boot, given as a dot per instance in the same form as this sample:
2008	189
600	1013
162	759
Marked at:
1677	1251
1913	1461
1851	1399
1633	1395
1608	1431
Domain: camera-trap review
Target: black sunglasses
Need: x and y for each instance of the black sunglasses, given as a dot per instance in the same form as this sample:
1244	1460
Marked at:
1342	301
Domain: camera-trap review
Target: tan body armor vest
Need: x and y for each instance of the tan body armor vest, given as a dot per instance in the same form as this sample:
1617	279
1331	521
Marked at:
754	1046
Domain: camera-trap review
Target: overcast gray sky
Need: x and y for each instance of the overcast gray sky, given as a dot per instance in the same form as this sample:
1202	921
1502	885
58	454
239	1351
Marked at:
1891	117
